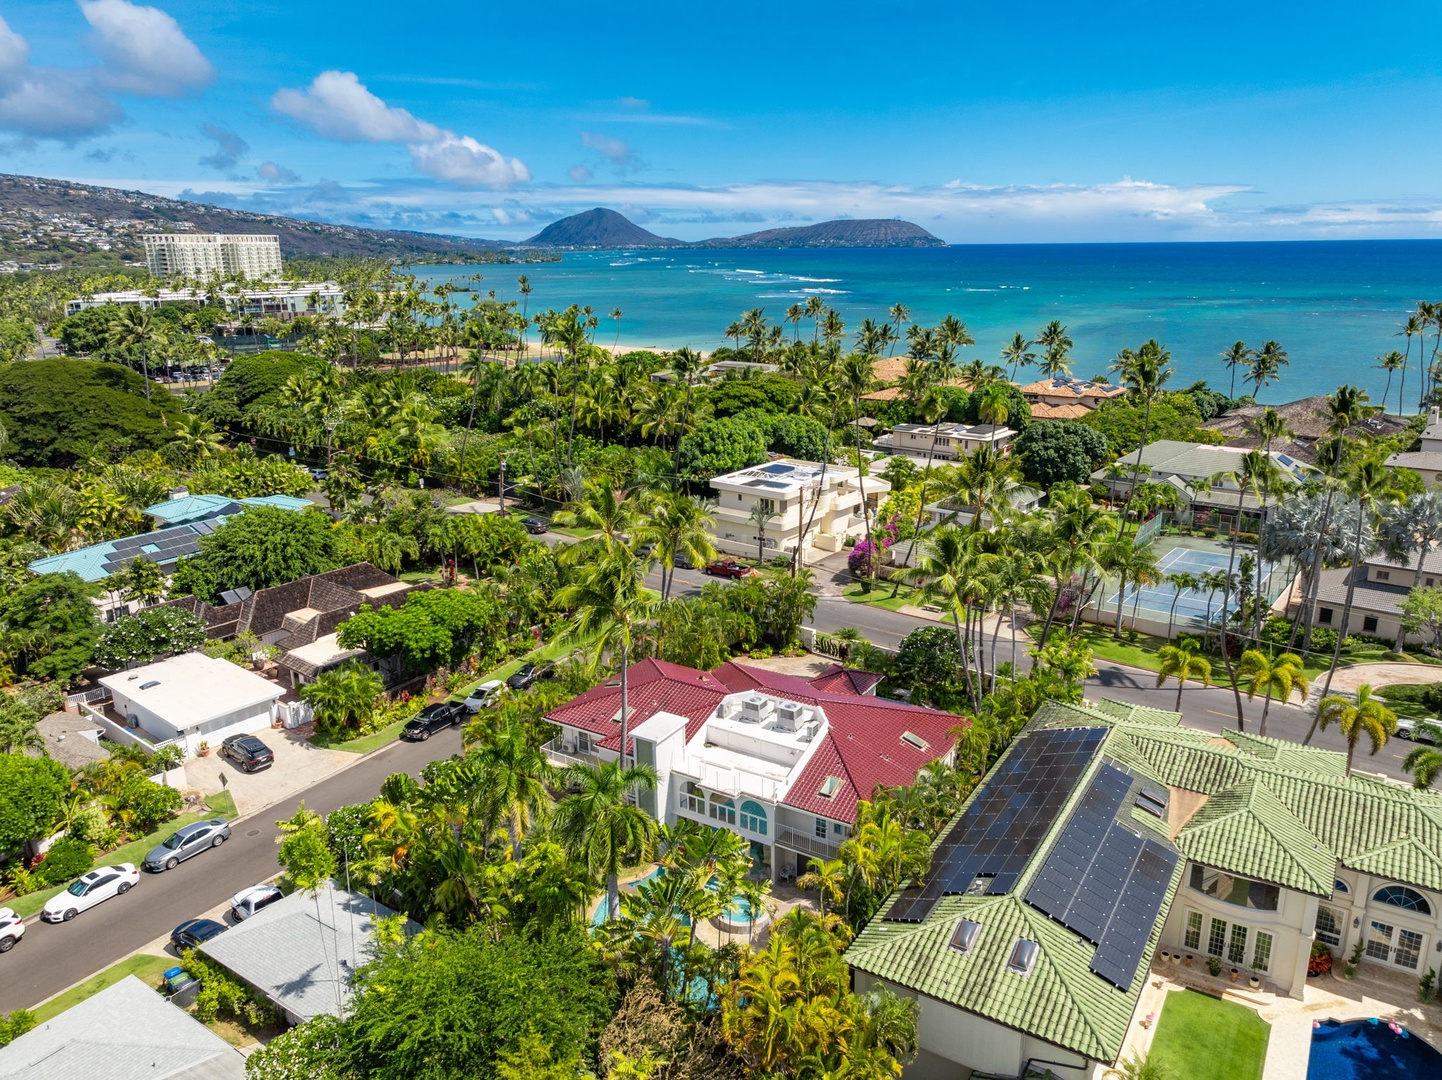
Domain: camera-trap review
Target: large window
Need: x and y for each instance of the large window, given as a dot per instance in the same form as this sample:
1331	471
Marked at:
1261	951
1237	946
1243	892
1404	898
1216	938
721	809
1329	926
1193	937
753	817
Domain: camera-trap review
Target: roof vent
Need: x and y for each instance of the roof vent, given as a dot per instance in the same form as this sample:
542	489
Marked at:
979	885
1153	802
1023	956
964	937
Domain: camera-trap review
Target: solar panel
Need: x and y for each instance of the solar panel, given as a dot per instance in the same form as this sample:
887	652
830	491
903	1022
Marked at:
1008	819
1124	941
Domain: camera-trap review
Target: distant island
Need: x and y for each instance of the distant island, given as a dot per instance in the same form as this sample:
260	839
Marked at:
604	230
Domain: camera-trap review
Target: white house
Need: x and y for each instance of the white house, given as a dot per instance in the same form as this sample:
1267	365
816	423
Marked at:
781	760
1427	458
944	441
193	698
799	493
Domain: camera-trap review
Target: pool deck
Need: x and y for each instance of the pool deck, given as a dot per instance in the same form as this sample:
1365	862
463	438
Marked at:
1328	997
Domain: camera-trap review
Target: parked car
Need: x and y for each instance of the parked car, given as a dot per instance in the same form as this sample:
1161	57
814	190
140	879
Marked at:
433	718
1418	730
192	932
728	568
528	675
185	842
90	889
536	525
12	929
248	752
247	902
485	696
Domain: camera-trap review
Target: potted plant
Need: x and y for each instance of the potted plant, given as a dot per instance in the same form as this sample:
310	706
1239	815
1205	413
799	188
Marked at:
1254	982
1214	965
1188	960
202	748
1320	962
1235	974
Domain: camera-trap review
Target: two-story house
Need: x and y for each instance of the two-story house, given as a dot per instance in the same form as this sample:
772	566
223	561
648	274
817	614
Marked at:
1066	398
1381	584
944	441
1108	835
780	760
1427	458
823	503
1199	472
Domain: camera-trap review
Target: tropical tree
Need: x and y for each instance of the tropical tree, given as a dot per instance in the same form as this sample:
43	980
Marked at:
1235	357
1274	676
343	698
135	328
515	774
1367	715
677	526
1392	362
1144	372
1179	663
1181	582
1424	762
599	823
763	513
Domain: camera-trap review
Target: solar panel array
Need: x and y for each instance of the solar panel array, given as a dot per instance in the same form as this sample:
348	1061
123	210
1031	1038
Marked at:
1104	882
1006	823
162	546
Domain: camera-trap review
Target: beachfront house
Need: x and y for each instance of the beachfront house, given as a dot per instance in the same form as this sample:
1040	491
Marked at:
1132	837
824	504
1427	458
945	441
781	760
1066	398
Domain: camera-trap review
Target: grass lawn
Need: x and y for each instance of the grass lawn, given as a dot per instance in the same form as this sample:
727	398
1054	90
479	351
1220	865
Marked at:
143	966
1205	1038
879	595
133	852
365	744
575	533
415	577
223	804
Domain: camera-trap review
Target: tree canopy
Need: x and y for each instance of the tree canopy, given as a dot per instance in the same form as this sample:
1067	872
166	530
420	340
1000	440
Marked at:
430	630
1058	451
56	412
721	446
49	627
261	547
31	789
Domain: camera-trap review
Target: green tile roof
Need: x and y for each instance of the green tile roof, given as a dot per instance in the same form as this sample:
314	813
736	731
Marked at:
1275	811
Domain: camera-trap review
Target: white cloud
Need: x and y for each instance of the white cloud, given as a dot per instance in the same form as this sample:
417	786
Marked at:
14	55
276	174
145	50
459	159
579	174
337	106
613	150
633	103
55	103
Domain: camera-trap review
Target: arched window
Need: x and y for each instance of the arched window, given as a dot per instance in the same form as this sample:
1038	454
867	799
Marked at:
1404	898
1340	886
693	798
721	809
753	817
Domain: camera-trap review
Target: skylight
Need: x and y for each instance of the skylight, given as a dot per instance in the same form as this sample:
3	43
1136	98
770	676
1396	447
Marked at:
913	740
1023	956
829	786
964	937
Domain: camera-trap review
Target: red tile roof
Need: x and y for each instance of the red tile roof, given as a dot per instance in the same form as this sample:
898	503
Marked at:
862	745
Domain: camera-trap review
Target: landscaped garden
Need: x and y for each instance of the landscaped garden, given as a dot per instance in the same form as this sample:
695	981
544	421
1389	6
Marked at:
1200	1037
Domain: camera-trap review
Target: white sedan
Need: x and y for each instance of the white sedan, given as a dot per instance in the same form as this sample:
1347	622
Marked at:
12	929
100	884
485	696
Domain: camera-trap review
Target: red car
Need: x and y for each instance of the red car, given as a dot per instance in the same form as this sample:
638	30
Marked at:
727	568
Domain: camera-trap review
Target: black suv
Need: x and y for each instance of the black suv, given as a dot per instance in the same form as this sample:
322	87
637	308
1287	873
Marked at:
526	677
434	718
536	525
248	752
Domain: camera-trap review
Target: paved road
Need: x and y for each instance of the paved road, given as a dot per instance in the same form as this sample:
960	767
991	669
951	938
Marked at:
52	956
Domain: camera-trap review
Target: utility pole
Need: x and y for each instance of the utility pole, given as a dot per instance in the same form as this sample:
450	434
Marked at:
503	486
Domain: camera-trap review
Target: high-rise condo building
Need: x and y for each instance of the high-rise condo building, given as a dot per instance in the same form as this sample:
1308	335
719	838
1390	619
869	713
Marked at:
201	254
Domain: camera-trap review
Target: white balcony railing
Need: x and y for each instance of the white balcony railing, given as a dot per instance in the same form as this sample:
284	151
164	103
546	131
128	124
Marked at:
807	843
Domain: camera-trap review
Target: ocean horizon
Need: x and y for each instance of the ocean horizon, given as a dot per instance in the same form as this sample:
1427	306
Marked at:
1334	305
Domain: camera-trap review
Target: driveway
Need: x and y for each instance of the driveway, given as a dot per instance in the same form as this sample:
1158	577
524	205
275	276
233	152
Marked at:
298	765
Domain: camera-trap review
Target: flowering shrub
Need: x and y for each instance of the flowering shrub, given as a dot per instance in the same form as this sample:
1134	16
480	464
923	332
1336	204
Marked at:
868	556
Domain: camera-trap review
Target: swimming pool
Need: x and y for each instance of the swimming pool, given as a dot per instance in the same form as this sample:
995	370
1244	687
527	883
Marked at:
1370	1050
736	916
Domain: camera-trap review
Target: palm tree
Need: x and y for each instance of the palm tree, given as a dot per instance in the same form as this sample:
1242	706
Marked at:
676	524
1410	329
599	824
1144	373
1180	664
514	778
344	697
763	512
1180	582
611	603
1424	762
1256	468
1017	352
1233	358
686	365
1391	362
1057	345
947	573
1368	715
855	379
1275	676
1144	1067
135	327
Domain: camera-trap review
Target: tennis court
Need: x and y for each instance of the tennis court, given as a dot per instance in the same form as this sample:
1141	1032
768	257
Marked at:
1201	605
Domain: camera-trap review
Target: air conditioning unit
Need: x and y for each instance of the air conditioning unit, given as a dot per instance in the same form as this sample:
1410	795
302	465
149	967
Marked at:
790	715
755	708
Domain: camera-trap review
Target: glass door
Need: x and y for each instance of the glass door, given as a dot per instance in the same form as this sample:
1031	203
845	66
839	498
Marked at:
1395	946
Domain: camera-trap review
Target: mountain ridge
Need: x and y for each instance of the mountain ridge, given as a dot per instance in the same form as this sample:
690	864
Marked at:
602	229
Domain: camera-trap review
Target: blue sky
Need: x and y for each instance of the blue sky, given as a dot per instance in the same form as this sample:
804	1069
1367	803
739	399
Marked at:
982	122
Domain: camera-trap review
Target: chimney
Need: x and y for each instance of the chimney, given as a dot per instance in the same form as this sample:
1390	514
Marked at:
1433	416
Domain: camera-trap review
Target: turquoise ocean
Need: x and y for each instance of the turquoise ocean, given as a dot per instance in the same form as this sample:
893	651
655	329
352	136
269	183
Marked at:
1335	306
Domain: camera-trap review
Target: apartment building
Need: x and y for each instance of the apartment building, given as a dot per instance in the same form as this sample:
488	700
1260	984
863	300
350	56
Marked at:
798	494
279	301
945	441
202	254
